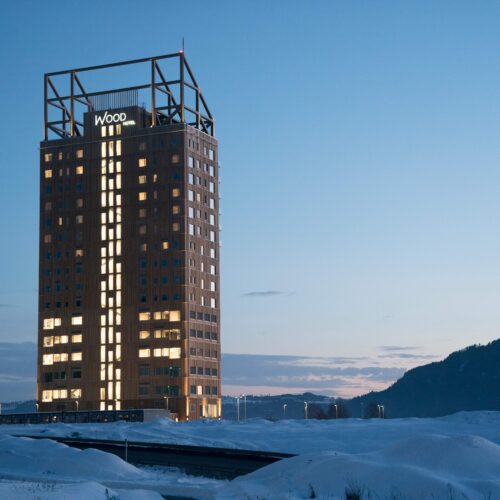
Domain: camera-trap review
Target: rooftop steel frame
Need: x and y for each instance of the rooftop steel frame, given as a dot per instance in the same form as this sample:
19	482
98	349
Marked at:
172	109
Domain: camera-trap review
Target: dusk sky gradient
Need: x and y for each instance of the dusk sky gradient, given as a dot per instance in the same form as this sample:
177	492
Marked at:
360	155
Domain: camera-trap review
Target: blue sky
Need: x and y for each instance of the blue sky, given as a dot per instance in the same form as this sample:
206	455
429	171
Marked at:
360	162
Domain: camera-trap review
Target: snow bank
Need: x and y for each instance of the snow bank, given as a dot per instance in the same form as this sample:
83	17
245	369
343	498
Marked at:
428	467
292	436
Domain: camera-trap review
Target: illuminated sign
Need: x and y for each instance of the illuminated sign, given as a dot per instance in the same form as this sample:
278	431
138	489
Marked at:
110	118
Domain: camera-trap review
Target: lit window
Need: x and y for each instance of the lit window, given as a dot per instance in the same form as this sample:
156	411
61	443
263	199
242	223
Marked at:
175	315
144	353
79	170
175	158
142	162
144	334
48	174
77	320
48	157
48	324
77	338
143	196
142	179
76	393
164	245
79	252
48	341
144	316
176	192
46	396
175	353
76	356
176	209
176	226
47	238
143	229
79	153
48	359
79	219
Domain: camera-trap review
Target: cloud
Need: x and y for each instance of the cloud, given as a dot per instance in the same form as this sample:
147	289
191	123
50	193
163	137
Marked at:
406	355
265	293
325	375
391	348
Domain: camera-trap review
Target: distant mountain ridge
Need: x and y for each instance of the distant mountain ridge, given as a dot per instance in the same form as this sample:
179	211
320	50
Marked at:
468	379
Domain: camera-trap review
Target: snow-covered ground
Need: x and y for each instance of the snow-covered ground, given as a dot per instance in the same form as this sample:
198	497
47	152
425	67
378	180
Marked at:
454	457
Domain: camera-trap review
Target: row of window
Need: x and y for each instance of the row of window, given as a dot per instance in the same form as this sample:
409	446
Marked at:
166	371
62	357
51	394
62	339
161	333
160	352
157	315
164	390
199	334
203	352
51	323
206	372
76	373
48	157
212	318
48	173
199	390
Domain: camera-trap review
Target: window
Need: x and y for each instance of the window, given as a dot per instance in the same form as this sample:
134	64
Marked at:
48	359
143	370
77	338
176	209
143	390
164	245
142	162
175	315
144	353
47	238
76	373
79	153
142	179
79	219
144	316
211	154
143	196
175	353
77	320
176	226
175	158
79	170
176	192
48	174
76	393
48	157
144	334
190	161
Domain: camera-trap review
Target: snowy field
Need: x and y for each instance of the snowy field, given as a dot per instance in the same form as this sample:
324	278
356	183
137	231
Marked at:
454	457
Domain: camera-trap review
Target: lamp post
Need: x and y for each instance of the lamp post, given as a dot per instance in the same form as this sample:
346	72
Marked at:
166	402
284	410
37	407
77	404
336	411
305	409
245	407
238	408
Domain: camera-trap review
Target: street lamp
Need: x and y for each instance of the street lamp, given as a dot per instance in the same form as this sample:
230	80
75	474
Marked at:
381	410
284	410
37	407
238	408
245	401
77	404
305	409
166	402
336	411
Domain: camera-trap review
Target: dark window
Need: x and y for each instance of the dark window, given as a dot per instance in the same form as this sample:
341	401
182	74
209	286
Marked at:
143	370
76	373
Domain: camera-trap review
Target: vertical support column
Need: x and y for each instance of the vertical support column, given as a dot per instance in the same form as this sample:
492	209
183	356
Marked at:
181	72
45	108
153	93
72	106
